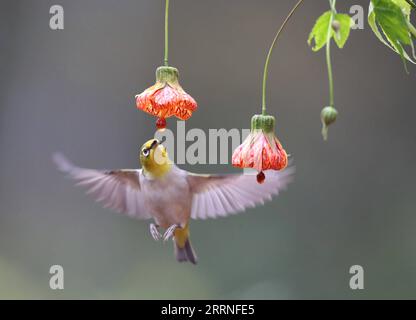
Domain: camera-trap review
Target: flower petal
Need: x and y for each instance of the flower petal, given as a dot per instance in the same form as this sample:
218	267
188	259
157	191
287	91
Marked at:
260	151
166	101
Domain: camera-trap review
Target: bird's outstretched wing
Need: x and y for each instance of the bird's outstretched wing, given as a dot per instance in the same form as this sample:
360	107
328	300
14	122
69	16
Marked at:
118	190
221	195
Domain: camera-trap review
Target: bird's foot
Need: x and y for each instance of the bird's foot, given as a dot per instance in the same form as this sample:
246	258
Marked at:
169	232
154	231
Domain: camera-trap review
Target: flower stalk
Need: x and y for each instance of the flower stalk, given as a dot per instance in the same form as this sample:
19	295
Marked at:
328	53
166	98
266	65
329	114
166	59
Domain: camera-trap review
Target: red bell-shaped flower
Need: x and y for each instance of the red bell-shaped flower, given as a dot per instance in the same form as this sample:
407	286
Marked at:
261	150
166	98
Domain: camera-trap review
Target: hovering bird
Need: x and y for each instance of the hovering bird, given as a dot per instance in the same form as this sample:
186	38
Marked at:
171	196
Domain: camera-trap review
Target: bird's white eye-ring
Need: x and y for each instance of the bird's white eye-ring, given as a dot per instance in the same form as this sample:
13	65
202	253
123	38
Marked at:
146	152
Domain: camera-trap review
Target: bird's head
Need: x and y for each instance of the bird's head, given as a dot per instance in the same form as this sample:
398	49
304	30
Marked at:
154	158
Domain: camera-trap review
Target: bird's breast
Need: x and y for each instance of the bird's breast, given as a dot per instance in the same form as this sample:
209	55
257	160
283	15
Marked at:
169	199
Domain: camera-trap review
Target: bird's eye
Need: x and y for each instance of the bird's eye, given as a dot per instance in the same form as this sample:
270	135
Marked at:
146	152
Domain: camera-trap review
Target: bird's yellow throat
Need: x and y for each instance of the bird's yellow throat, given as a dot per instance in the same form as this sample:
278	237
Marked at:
155	170
154	159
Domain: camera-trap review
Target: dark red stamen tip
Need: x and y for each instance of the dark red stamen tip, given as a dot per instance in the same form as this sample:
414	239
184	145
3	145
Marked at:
161	123
261	177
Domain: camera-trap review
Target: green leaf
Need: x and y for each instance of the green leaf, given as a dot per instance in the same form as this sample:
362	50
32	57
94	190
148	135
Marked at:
342	35
392	20
319	31
411	3
404	5
391	17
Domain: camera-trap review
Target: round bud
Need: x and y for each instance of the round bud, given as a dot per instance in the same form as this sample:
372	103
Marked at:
336	25
328	116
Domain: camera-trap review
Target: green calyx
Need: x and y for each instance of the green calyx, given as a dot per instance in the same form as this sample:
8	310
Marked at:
167	75
263	122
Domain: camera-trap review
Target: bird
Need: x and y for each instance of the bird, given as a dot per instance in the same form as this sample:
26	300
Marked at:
171	196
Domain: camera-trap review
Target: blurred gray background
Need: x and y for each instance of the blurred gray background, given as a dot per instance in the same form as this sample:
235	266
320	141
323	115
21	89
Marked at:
353	201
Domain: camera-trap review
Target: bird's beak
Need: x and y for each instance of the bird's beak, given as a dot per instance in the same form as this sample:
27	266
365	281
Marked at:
154	144
158	142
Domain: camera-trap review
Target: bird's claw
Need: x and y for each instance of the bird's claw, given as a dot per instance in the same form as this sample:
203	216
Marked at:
169	232
155	232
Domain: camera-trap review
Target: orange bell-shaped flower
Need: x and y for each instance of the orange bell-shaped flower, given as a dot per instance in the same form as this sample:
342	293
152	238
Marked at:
166	98
261	150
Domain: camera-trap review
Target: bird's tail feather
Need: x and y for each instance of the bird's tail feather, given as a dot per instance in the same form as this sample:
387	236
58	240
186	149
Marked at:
185	253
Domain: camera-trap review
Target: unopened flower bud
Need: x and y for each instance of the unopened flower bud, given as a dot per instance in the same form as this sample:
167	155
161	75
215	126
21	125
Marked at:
328	116
336	25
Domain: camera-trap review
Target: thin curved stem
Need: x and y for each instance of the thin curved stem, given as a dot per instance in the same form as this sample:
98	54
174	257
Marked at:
166	33
332	6
328	54
330	77
266	65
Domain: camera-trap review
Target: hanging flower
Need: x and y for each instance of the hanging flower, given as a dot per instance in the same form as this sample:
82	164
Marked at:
261	150
166	98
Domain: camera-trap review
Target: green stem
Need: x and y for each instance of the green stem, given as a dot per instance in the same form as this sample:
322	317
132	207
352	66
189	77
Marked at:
266	65
328	54
166	33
